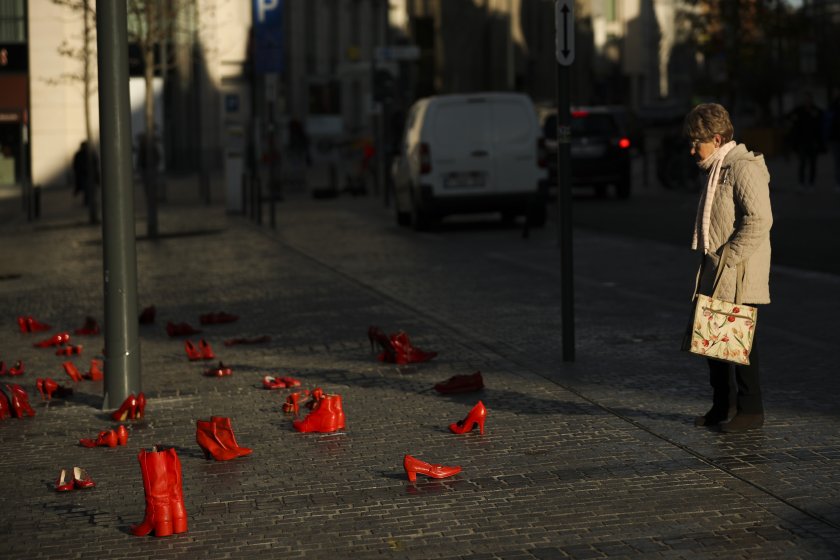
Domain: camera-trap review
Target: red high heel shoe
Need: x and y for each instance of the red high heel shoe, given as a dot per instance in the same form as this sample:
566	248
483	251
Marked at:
376	336
122	435
95	372
253	340
71	370
69	350
406	353
91	327
414	466
327	417
16	369
19	401
147	316
221	371
30	325
54	340
224	431
106	438
192	352
476	417
81	479
217	318
5	407
207	437
128	409
206	351
62	484
461	384
141	406
47	387
180	329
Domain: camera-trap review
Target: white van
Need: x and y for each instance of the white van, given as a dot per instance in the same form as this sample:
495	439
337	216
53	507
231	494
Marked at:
480	152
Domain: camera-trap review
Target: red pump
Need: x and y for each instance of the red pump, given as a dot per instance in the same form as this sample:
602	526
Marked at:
476	417
414	466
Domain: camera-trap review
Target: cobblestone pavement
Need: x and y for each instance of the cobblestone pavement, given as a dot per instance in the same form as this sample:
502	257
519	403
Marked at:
595	458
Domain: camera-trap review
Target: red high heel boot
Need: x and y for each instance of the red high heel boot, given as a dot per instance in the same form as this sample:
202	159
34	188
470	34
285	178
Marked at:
176	492
71	370
154	466
476	417
224	430
406	353
461	384
106	438
17	369
91	327
326	417
95	372
413	466
54	340
19	401
128	409
207	437
206	351
192	352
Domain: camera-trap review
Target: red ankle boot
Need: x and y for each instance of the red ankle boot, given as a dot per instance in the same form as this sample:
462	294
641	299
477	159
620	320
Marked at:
19	401
155	466
326	417
413	466
476	417
207	437
224	431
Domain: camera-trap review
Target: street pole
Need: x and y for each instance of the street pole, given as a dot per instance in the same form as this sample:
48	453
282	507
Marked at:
122	347
564	24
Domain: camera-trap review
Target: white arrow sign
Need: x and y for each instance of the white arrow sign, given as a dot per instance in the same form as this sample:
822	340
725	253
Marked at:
564	27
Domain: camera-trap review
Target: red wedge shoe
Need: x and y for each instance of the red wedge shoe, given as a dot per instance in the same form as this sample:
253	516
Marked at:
476	417
414	466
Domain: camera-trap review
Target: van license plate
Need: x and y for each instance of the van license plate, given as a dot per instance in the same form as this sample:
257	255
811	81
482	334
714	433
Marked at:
463	180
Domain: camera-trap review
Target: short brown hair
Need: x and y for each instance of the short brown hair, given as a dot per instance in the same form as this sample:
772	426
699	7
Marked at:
706	120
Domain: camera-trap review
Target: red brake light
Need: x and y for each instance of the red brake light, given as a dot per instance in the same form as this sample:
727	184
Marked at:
624	143
425	159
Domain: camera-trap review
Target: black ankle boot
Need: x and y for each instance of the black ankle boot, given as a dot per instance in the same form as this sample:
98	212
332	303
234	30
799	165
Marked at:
743	422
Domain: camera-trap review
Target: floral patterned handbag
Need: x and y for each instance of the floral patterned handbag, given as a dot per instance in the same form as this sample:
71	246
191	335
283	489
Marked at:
719	329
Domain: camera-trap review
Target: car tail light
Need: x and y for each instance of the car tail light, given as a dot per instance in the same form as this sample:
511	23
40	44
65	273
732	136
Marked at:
580	114
542	153
425	159
624	143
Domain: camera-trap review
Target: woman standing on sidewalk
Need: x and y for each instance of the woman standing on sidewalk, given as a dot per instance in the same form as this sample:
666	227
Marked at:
734	211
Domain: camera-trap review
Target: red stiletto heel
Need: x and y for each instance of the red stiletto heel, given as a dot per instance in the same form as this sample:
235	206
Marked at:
71	370
207	437
224	430
91	327
406	352
16	369
81	479
192	352
326	417
141	406
476	417
69	350
461	384
95	372
62	484
19	401
106	438
54	340
122	435
206	351
147	316
126	409
414	466
158	489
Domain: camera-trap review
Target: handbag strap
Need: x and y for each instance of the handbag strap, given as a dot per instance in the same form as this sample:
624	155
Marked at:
739	276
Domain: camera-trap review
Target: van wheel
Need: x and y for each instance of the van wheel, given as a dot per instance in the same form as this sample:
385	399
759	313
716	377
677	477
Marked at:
420	217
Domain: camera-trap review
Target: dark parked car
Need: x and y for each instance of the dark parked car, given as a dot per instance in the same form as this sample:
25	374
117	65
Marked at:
604	139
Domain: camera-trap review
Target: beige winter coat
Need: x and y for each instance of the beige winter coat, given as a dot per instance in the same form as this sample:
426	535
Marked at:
741	217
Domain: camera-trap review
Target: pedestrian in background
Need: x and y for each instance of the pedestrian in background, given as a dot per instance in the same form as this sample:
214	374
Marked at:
834	138
85	168
734	210
807	137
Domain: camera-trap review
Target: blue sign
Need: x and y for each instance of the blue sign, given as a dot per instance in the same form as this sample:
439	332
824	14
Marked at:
268	36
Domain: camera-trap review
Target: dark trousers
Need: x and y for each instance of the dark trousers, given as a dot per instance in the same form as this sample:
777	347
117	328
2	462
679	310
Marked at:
807	167
747	382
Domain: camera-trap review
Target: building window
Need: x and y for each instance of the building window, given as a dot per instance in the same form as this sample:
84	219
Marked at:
12	21
610	10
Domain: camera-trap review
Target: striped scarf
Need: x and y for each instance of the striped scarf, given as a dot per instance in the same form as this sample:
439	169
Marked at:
711	165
